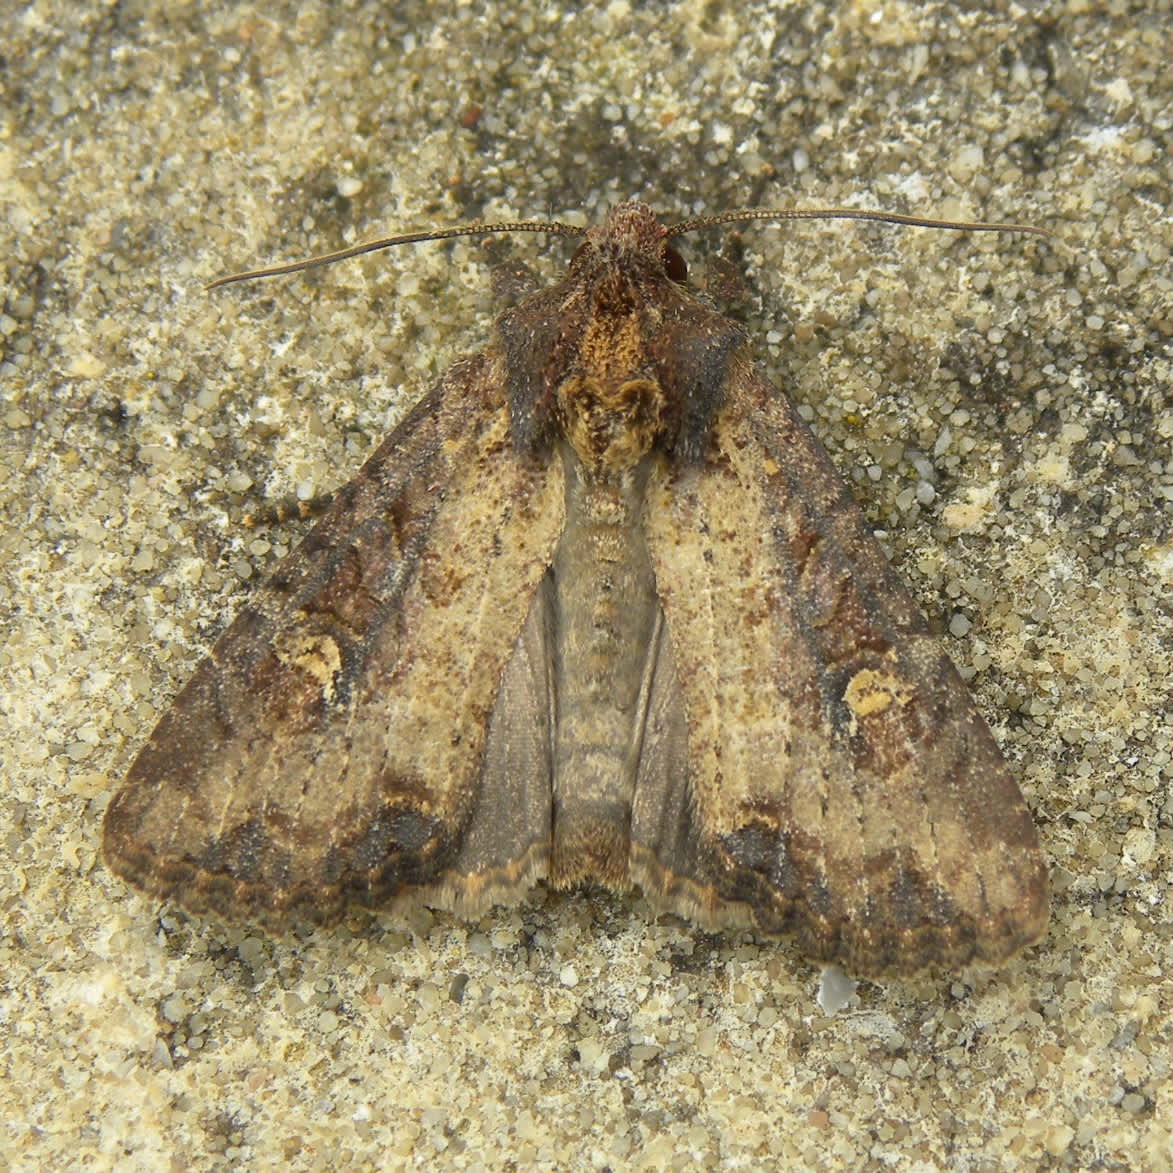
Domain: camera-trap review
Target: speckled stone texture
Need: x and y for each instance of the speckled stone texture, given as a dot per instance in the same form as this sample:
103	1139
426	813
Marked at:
1000	407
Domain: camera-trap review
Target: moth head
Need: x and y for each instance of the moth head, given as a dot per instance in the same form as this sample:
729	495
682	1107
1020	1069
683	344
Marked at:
632	238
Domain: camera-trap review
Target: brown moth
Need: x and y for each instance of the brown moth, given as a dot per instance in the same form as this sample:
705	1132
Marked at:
599	611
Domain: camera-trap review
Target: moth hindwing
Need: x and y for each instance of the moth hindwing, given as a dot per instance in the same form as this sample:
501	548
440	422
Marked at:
599	610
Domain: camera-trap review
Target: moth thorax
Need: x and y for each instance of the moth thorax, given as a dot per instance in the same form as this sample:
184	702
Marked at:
610	423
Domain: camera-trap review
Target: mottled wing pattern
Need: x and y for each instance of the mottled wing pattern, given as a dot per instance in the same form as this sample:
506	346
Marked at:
330	748
844	787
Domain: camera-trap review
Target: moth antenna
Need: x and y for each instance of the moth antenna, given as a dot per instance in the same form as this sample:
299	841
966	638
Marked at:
744	214
554	227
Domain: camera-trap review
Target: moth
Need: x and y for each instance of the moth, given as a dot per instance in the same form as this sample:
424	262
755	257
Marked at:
599	611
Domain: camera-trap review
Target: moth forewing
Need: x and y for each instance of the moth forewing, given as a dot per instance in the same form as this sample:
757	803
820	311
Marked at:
330	747
599	610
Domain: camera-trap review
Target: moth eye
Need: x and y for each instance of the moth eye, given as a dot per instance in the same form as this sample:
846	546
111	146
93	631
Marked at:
675	265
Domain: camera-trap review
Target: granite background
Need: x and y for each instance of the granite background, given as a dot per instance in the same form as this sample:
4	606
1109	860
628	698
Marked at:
1001	407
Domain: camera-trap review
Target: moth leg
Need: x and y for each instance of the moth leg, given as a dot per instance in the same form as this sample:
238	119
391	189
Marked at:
289	508
513	281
